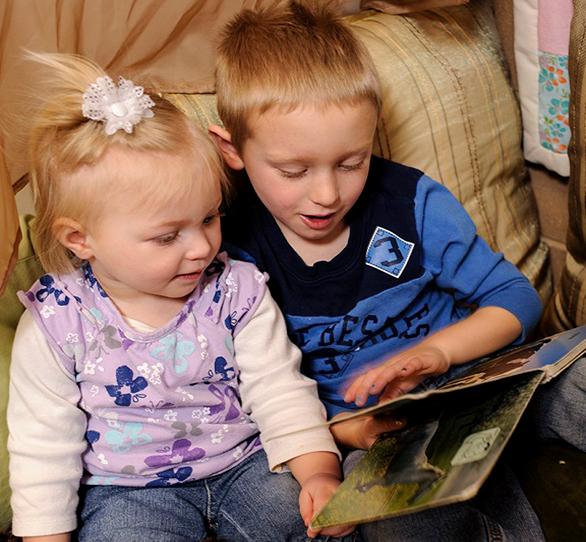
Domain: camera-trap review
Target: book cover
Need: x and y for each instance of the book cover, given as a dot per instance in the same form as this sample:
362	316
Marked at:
454	434
445	453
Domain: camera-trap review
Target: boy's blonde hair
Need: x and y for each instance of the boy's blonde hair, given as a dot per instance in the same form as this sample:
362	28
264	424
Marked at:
289	54
64	145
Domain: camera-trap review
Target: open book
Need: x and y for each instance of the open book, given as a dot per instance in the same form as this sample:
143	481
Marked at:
453	437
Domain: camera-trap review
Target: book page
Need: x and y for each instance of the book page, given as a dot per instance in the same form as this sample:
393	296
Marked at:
445	453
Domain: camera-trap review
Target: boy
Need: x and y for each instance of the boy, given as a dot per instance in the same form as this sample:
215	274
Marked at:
367	258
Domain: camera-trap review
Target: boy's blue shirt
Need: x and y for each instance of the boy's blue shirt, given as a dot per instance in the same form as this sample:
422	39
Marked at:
413	264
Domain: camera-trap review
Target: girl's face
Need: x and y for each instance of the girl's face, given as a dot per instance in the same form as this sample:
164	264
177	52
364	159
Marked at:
142	249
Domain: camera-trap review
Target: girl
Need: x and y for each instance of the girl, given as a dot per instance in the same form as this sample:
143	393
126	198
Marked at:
146	363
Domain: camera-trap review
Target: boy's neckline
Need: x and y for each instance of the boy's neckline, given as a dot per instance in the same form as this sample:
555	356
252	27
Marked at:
338	263
312	253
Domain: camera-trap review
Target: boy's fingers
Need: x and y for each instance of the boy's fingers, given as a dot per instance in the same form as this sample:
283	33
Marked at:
350	394
398	389
375	380
383	378
368	384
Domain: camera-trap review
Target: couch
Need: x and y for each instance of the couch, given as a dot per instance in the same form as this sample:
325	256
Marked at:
454	107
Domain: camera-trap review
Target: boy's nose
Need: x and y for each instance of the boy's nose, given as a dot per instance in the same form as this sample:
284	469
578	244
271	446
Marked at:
325	190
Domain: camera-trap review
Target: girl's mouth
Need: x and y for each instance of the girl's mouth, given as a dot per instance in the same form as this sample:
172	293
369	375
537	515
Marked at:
190	276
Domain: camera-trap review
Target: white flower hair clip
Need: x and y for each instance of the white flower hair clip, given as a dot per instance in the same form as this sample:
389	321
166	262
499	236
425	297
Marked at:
120	106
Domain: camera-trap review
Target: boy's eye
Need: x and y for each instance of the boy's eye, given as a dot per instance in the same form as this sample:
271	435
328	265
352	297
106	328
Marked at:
352	167
292	174
166	239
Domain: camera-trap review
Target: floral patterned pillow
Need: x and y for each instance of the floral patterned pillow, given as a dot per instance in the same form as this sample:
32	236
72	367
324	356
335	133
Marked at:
542	39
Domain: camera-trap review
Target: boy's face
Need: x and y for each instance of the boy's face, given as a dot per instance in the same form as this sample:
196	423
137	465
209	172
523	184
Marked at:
308	167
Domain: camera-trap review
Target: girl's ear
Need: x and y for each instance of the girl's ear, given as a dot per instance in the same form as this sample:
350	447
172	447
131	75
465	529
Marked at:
74	236
224	142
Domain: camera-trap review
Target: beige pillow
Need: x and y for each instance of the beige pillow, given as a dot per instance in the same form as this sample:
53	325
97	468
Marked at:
449	110
408	6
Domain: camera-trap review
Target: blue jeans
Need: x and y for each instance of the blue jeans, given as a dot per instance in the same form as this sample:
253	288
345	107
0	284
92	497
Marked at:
499	513
558	409
247	503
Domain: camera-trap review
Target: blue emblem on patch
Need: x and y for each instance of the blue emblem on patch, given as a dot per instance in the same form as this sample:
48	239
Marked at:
388	253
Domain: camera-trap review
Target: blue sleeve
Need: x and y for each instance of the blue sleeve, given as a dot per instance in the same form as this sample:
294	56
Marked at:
463	263
237	253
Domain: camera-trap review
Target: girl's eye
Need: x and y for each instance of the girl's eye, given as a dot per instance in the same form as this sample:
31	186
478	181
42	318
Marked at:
292	174
211	218
166	239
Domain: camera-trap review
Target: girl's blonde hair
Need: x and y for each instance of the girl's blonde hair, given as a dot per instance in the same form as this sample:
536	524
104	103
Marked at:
63	142
288	54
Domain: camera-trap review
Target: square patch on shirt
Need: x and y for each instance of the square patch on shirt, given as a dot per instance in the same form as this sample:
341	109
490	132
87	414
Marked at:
388	253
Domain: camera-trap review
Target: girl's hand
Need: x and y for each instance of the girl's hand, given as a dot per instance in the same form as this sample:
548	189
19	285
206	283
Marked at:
314	494
361	433
398	375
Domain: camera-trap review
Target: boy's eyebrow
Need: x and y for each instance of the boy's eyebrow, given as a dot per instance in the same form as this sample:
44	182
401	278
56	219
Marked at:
286	159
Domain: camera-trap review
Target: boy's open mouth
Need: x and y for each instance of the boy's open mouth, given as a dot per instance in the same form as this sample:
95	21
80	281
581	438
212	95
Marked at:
318	222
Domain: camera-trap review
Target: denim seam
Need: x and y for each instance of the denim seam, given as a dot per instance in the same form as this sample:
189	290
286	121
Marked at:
493	530
209	515
237	527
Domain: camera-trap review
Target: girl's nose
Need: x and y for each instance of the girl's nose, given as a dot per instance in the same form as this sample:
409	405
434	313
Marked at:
199	248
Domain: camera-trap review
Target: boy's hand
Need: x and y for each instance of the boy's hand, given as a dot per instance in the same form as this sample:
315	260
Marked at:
361	433
315	492
398	375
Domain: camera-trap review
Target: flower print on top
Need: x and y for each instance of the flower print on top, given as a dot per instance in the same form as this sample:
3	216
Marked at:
143	391
222	369
187	428
131	435
47	281
92	281
166	477
105	340
180	452
92	436
127	387
229	407
47	311
174	349
151	373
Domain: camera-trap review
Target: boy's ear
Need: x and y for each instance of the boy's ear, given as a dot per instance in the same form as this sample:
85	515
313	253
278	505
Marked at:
224	142
74	236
